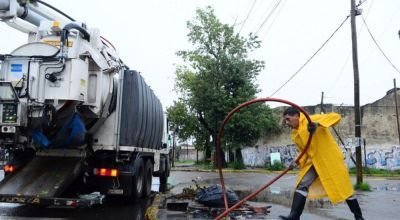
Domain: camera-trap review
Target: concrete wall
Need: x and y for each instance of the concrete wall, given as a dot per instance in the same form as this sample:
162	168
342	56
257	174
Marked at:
379	133
188	153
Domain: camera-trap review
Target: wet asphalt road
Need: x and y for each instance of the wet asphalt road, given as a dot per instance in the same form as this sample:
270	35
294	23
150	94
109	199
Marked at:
109	210
382	203
131	211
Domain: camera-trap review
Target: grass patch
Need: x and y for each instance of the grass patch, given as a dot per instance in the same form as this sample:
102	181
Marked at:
364	186
237	165
185	161
276	166
376	172
201	164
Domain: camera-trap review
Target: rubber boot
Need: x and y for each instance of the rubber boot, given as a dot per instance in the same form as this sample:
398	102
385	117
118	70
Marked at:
355	208
297	207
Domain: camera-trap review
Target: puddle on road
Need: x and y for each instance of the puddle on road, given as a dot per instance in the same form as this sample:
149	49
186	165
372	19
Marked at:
387	188
109	210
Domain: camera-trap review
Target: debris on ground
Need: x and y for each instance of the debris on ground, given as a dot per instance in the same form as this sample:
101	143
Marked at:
207	202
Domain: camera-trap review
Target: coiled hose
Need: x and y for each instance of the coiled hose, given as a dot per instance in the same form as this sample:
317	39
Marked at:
218	151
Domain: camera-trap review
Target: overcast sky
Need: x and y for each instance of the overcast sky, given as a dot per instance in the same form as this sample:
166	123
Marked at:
148	33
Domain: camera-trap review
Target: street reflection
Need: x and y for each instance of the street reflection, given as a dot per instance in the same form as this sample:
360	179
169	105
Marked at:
111	209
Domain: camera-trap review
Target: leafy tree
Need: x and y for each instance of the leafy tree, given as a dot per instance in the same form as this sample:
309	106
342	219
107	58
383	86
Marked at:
217	75
184	122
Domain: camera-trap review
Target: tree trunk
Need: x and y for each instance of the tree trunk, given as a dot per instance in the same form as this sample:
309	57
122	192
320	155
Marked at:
207	151
238	153
231	157
222	158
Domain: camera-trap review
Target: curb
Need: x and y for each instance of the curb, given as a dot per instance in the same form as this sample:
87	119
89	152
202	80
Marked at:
231	170
152	211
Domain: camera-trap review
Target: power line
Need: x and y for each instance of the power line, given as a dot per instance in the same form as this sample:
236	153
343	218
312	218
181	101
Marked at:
268	16
309	59
270	5
248	14
360	3
273	21
266	11
380	49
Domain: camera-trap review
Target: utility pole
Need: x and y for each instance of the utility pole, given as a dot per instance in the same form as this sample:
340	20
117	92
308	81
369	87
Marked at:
322	102
397	110
357	111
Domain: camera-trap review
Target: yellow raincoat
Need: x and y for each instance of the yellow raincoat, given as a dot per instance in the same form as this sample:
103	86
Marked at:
324	154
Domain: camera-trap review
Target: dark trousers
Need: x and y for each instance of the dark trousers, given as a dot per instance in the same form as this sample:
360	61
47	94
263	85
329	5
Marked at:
306	182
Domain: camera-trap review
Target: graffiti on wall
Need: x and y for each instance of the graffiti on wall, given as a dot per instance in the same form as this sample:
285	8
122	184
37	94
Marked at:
260	156
377	157
383	158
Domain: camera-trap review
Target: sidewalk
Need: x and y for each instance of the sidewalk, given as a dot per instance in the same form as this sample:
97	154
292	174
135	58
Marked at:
382	203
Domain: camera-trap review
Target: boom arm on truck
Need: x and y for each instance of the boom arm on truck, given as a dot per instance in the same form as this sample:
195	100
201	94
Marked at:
67	94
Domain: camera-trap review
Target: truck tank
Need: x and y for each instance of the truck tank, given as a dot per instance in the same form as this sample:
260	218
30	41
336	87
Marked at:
68	100
141	115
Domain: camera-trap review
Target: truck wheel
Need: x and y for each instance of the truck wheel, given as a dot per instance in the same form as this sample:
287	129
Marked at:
148	178
137	179
165	172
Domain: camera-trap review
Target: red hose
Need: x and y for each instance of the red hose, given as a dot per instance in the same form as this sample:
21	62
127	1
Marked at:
218	149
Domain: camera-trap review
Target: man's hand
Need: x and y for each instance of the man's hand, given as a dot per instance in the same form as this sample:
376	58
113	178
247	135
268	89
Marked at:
312	127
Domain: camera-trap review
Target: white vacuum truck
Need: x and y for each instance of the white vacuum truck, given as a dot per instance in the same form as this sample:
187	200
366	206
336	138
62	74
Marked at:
73	114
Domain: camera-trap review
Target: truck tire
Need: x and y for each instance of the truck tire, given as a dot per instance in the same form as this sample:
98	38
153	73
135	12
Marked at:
137	179
165	172
148	178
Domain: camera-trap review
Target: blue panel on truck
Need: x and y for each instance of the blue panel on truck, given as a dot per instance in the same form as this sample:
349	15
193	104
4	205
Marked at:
141	121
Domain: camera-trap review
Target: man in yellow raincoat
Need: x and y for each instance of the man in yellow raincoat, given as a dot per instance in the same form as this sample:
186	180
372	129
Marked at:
322	170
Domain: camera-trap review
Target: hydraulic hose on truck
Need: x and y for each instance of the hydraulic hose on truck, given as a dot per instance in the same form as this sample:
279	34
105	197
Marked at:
218	151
